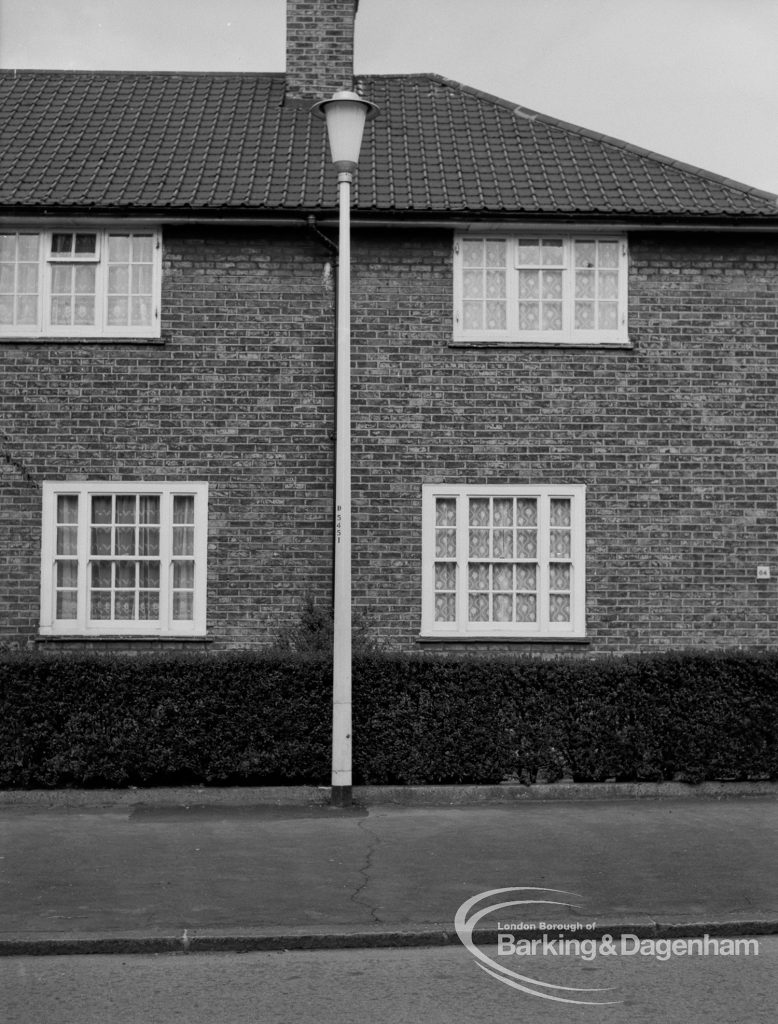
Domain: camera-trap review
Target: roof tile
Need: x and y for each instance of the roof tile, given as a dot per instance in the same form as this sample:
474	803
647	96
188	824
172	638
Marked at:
167	141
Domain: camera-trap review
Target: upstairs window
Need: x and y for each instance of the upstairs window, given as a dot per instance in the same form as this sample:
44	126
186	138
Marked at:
549	289
503	562
91	283
124	558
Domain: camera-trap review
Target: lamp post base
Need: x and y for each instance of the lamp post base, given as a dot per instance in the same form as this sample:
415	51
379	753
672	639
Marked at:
340	796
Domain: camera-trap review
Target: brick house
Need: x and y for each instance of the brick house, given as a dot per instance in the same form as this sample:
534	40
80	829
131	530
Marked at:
565	354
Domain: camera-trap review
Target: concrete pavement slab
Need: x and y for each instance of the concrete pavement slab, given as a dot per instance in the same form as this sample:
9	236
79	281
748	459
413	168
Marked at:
314	875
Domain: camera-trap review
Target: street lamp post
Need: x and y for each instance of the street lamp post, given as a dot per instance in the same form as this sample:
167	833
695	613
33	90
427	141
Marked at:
345	113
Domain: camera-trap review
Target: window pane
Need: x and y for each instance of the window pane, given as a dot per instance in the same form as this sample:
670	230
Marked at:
67	540
526	544
125	508
61	279
552	252
472	253
183	509
529	284
148	575
67	574
118	280
445	608
84	311
503	543
125	574
124	605
100	605
125	540
529	316
526	512
473	315
529	252
61	243
445	511
608	316
445	575
552	284
8	247
102	509
526	608
183	575
101	574
148	541
182	606
183	540
561	511
149	508
472	284
27	310
119	248
67	508
584	284
67	604
609	254
101	541
559	543
85	279
584	315
478	576
552	316
559	608
608	284
28	247
585	254
559	576
148	606
445	543
479	544
141	312
143	248
86	244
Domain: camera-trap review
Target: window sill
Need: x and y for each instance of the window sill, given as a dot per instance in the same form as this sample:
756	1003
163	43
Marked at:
116	638
492	639
53	339
495	343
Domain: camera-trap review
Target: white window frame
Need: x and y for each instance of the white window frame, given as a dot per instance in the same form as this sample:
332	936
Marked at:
82	625
568	335
542	629
48	260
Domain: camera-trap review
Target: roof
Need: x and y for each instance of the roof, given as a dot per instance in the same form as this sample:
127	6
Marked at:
224	142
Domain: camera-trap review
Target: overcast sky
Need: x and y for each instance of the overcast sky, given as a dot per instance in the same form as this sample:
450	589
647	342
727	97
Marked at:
696	80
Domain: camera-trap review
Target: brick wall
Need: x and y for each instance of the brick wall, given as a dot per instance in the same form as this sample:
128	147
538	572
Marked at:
674	438
319	47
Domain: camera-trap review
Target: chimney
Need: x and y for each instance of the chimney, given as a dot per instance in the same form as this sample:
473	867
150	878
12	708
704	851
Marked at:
319	47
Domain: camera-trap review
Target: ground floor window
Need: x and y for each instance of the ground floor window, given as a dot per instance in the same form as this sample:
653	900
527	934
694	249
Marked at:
124	558
503	562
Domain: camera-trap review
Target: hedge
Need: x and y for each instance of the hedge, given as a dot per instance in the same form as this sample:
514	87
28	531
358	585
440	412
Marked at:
115	721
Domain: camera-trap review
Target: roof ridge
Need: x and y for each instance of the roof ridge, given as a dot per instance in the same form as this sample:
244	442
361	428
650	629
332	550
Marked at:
534	115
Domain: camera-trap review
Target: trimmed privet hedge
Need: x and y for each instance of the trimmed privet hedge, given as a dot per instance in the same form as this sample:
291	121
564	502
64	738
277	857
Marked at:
249	719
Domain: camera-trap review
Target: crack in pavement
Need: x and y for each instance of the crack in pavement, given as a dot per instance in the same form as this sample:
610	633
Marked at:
365	871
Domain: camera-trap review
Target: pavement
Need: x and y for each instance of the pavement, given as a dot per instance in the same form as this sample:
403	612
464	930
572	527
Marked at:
202	870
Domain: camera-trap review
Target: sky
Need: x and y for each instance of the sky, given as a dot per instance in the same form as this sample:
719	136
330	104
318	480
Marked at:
696	80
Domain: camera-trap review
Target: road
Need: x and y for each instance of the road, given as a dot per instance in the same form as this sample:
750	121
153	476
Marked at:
382	987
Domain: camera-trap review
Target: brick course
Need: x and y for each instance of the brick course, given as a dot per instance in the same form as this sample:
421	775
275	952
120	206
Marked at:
674	438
